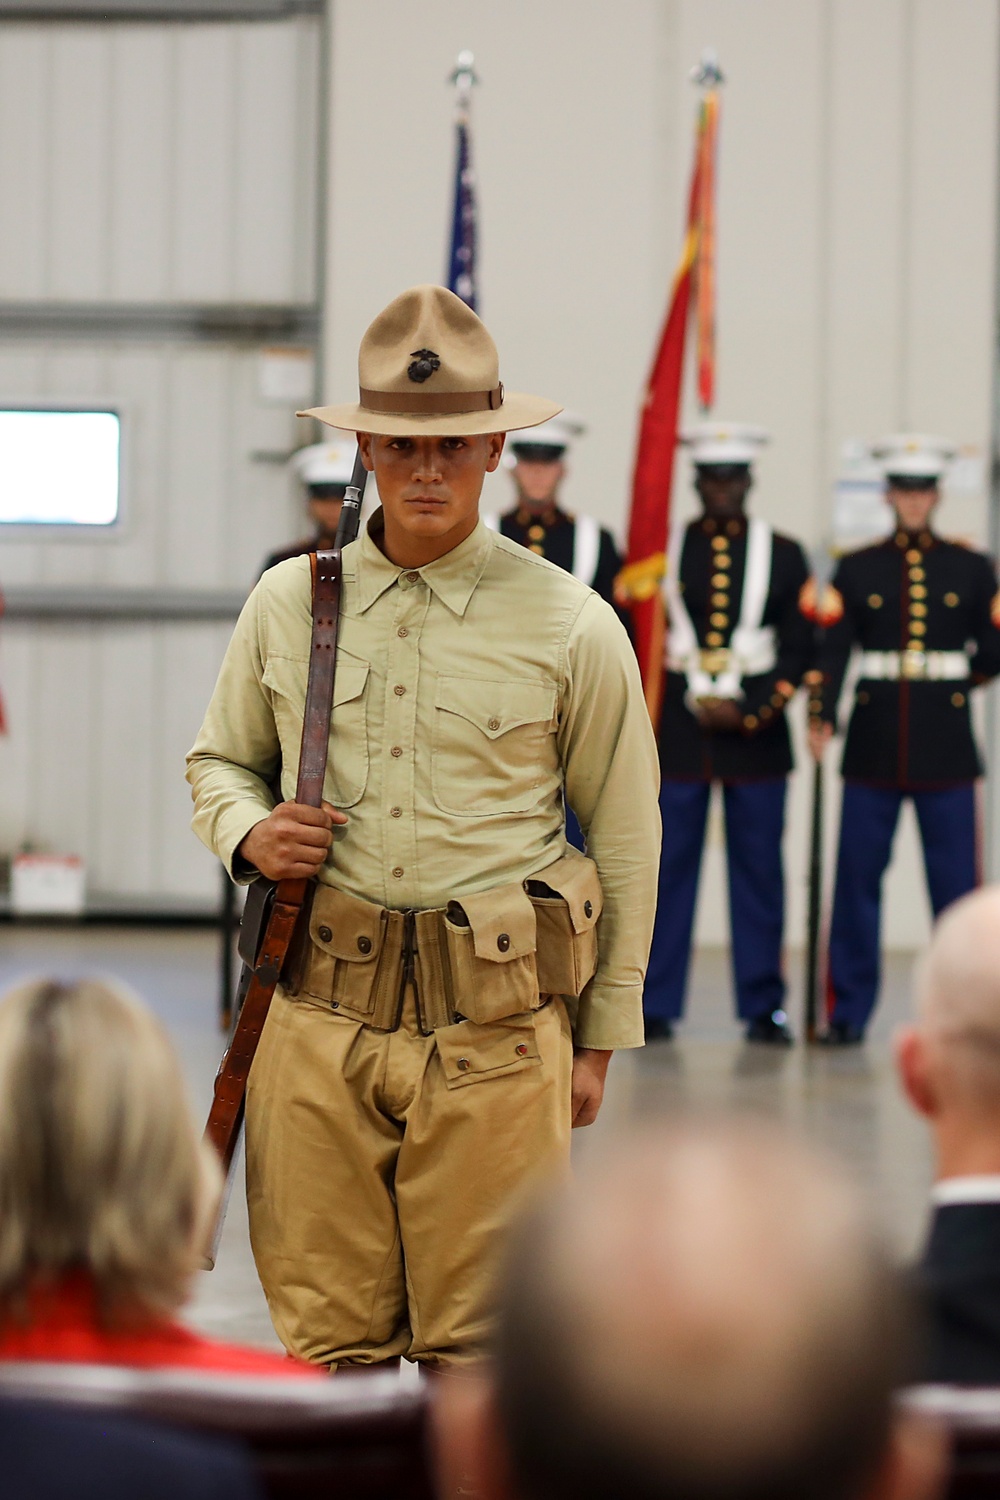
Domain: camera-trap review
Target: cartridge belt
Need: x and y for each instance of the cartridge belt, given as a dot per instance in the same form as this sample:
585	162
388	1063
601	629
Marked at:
479	958
914	666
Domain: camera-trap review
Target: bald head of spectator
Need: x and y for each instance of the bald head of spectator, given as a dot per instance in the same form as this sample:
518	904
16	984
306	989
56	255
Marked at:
949	1058
705	1315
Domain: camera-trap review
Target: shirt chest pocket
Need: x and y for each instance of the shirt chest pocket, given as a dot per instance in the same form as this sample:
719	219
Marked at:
347	762
494	745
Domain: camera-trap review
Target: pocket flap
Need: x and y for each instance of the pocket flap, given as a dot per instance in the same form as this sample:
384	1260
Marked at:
496	707
288	676
345	927
470	1053
349	683
502	923
575	879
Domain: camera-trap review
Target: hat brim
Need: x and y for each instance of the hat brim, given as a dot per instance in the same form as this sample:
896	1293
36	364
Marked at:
517	412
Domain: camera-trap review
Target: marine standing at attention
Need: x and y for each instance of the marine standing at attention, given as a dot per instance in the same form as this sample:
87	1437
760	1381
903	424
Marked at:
924	615
738	646
325	471
465	976
577	543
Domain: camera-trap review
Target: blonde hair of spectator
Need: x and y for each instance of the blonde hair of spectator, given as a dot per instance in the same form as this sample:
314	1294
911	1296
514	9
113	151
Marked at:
102	1167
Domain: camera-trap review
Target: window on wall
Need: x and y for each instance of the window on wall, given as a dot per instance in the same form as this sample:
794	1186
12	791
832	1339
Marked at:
59	468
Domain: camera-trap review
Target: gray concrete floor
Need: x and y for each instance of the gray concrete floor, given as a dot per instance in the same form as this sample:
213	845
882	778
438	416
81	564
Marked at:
847	1100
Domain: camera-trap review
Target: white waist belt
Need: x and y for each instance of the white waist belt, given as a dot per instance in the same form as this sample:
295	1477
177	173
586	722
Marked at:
915	666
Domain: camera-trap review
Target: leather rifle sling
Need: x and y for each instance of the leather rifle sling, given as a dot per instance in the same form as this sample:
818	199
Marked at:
226	1114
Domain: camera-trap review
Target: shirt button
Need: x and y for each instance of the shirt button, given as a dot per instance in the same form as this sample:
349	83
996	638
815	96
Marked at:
494	723
399	690
396	751
397	873
402	632
463	1065
412	577
395	812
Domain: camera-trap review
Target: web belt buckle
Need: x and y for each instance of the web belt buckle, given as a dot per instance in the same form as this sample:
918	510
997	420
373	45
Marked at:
715	662
913	665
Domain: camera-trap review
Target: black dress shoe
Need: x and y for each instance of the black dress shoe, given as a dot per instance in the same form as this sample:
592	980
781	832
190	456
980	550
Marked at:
771	1029
658	1029
841	1034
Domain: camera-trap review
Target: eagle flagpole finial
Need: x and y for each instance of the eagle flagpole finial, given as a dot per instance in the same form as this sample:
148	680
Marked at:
708	74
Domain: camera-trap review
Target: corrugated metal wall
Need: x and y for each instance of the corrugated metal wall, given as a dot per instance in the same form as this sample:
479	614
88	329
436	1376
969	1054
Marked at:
154	164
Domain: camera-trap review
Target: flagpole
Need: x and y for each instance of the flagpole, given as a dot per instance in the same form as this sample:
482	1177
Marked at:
461	277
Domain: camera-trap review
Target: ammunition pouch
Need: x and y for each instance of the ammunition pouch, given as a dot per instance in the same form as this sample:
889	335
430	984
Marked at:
484	958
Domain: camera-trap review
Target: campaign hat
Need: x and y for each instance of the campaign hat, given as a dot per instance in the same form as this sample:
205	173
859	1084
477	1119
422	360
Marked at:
427	366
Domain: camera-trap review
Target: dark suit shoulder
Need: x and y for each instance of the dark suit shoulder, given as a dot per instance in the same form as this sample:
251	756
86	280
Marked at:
69	1455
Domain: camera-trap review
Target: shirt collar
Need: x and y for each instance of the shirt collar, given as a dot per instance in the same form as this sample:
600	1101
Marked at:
984	1188
453	577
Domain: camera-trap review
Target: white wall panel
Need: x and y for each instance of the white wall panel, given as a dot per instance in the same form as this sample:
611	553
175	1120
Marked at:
158	162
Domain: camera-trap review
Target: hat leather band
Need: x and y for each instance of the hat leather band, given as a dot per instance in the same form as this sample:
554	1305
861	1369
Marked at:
431	403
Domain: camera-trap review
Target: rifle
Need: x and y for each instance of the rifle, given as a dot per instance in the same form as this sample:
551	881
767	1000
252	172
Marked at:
273	908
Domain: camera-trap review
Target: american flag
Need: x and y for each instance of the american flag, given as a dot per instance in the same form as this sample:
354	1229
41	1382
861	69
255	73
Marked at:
462	260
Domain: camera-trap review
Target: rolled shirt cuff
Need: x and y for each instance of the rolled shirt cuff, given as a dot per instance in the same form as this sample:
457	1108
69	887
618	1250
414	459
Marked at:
232	828
609	1017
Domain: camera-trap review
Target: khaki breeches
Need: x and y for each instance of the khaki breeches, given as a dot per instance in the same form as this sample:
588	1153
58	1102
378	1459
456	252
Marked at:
378	1195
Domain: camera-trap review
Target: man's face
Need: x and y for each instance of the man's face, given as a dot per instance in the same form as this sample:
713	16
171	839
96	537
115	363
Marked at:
430	486
324	511
913	507
723	490
537	481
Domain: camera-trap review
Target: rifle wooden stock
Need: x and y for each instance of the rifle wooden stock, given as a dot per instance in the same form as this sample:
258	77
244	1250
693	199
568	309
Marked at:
266	957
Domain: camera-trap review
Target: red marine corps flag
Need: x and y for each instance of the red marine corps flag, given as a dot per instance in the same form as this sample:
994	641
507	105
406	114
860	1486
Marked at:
639	584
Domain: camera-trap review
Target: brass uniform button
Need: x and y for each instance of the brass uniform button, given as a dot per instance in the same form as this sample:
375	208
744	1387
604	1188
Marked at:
396	751
766	712
951	600
364	945
395	812
722	562
917	591
720	581
399	690
734	528
720	601
503	942
777	700
537	550
918	610
536	533
913	556
719	544
324	934
875	601
718	620
714	638
917	575
750	721
813	677
917	627
397	873
958	699
494	724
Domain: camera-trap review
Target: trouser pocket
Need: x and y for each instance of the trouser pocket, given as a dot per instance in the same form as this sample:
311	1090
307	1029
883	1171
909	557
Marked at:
490	945
567	901
352	957
471	1053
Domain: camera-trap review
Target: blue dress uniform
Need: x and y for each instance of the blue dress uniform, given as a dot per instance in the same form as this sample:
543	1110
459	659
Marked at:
924	614
751	762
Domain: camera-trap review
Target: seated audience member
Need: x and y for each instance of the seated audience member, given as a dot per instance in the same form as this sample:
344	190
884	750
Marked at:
949	1065
54	1454
107	1191
706	1315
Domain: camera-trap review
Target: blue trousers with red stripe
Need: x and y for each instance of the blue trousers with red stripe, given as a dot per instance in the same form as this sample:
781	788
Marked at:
755	820
868	818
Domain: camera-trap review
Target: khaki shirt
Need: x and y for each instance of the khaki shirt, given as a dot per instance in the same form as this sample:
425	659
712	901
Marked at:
468	694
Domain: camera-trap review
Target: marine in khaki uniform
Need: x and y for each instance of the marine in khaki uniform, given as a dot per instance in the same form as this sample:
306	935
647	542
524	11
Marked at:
923	614
465	976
